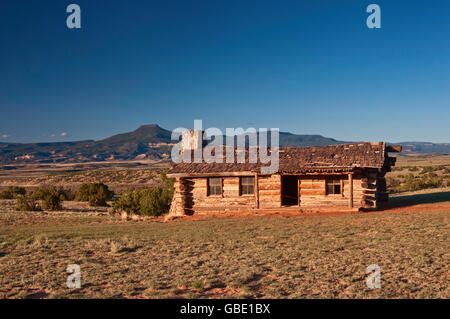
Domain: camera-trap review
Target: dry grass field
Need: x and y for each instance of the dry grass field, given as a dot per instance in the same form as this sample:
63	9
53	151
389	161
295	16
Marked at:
260	257
274	256
418	172
422	160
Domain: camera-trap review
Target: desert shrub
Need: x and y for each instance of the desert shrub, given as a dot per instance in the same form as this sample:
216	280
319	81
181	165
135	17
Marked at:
27	204
95	193
43	192
154	202
392	183
413	169
6	195
51	197
129	202
146	202
413	183
13	192
410	183
17	191
167	182
52	201
66	194
149	201
430	169
432	180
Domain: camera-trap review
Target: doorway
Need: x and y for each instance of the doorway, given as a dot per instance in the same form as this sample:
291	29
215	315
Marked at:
289	190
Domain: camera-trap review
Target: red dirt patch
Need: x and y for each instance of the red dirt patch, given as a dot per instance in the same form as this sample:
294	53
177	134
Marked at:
295	212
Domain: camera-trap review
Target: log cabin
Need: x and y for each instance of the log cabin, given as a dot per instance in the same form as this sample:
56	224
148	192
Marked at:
341	177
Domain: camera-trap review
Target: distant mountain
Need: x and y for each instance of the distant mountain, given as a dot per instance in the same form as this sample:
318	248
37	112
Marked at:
289	139
148	141
425	148
151	133
153	142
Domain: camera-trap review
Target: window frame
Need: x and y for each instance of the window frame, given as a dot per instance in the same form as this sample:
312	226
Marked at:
246	185
334	181
208	185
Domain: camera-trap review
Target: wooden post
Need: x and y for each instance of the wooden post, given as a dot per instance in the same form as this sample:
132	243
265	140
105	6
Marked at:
281	190
350	190
256	191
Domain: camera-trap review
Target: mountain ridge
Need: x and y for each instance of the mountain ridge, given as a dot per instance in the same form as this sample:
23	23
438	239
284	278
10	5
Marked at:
154	142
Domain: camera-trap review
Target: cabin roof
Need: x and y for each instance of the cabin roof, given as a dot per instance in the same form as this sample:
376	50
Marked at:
333	158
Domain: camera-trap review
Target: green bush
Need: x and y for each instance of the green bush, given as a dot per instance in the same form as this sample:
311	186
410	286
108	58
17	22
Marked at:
13	192
129	202
392	183
146	202
413	183
6	195
27	204
52	201
154	202
42	192
167	182
66	194
97	194
51	197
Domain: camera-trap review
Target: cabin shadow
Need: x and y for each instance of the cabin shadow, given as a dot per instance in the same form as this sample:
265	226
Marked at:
410	200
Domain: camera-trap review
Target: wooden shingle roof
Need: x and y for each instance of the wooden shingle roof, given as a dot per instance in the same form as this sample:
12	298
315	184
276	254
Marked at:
333	158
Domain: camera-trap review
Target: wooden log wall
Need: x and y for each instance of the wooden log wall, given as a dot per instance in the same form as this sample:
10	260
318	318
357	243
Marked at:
230	200
374	188
269	191
191	194
313	192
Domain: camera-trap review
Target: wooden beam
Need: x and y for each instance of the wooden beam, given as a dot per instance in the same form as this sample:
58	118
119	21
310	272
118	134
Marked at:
218	174
394	148
343	172
350	190
256	191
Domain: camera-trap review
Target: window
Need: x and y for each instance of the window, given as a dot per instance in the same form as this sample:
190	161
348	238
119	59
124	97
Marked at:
334	186
214	186
247	185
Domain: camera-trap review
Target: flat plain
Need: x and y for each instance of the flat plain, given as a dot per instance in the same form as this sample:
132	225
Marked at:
264	256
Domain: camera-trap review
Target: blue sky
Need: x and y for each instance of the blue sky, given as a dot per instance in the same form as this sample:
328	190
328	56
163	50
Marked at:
308	67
